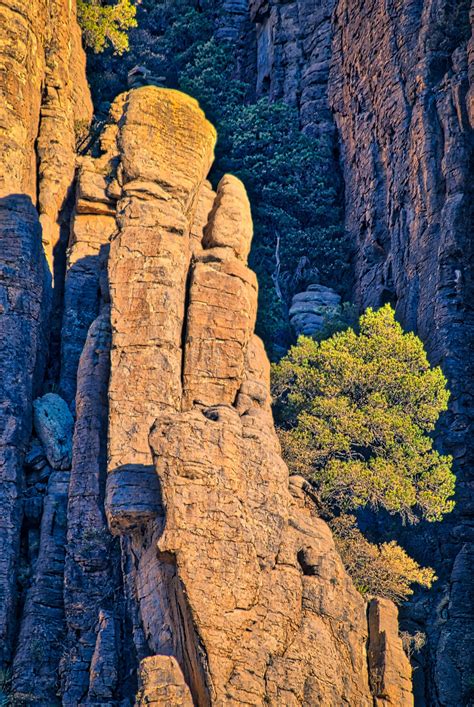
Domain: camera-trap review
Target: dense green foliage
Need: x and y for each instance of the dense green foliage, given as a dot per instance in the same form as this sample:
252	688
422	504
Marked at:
105	25
293	203
358	408
356	412
293	198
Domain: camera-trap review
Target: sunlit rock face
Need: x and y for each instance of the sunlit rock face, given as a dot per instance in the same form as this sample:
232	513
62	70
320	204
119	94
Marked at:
230	572
45	102
43	94
158	553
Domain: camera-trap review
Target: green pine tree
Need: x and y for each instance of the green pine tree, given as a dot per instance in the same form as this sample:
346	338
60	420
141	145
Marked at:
355	414
106	25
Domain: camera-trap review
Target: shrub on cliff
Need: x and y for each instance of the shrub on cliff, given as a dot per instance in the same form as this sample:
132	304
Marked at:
385	570
355	413
106	25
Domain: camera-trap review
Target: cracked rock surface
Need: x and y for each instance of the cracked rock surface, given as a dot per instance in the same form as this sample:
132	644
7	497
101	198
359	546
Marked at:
153	549
232	574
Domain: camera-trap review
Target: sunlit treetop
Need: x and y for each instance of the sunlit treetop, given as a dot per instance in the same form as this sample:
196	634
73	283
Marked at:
105	25
357	410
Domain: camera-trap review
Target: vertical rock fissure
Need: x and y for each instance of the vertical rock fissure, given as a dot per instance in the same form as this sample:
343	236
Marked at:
191	648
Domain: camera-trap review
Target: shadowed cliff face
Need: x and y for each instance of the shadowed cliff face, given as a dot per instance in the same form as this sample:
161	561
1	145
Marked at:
399	90
42	92
293	51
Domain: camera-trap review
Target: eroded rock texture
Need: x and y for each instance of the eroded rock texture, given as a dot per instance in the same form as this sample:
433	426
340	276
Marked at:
399	90
234	586
391	84
293	51
43	92
310	308
185	566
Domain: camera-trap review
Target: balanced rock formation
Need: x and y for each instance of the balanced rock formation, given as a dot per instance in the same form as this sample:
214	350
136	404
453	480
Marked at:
310	309
54	424
239	594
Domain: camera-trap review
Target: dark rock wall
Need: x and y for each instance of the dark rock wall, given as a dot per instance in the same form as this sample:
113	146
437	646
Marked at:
23	292
292	54
398	89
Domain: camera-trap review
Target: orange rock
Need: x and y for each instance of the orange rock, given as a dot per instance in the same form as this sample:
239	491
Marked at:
242	596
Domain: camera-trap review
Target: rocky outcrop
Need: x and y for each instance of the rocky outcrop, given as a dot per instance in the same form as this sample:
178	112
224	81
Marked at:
391	84
95	636
180	565
39	645
54	424
389	667
43	92
232	583
310	309
23	292
45	98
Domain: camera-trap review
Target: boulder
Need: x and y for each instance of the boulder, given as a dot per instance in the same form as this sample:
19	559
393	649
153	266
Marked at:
54	426
310	309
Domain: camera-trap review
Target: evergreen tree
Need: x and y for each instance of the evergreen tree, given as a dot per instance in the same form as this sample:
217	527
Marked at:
106	25
355	414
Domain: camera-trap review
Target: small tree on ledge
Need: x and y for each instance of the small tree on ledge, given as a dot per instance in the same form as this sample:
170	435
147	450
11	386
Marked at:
355	414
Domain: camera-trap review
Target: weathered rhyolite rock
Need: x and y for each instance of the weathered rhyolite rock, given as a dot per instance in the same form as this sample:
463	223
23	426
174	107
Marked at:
234	587
54	425
45	98
293	53
389	667
23	290
224	587
39	646
93	645
391	85
399	89
43	91
309	309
